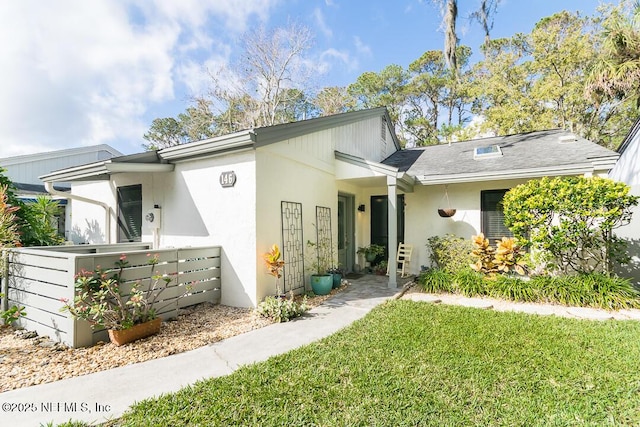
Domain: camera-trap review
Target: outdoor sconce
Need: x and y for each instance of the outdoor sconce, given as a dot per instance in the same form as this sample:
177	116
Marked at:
361	208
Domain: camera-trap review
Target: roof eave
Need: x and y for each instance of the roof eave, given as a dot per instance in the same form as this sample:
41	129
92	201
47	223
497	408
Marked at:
579	169
209	147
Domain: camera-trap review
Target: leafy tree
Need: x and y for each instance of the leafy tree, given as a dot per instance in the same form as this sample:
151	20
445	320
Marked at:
165	132
616	74
570	221
334	100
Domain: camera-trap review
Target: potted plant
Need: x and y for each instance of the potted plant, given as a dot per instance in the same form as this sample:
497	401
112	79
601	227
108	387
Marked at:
381	268
371	252
336	274
320	278
103	301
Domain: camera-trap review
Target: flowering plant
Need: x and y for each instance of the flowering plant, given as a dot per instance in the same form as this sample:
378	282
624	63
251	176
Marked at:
101	300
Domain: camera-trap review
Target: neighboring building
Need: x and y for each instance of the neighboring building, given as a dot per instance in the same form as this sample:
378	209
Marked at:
627	170
24	171
342	176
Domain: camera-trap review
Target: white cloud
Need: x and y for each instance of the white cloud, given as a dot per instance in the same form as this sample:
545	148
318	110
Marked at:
362	48
330	56
320	22
81	73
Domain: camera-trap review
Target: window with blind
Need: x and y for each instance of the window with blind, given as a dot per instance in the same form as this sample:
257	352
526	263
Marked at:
493	226
130	213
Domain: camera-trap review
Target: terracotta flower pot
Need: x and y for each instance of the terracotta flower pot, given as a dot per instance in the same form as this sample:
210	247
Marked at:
136	332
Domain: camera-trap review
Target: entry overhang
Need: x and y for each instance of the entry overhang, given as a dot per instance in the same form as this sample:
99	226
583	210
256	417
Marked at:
370	173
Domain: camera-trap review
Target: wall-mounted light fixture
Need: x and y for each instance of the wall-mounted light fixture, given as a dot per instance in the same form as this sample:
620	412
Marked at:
361	208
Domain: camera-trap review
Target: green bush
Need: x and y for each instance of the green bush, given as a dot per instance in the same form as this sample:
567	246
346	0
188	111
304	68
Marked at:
571	220
450	252
282	309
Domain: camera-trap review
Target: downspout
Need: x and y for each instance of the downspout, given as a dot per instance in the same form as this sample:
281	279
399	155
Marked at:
48	185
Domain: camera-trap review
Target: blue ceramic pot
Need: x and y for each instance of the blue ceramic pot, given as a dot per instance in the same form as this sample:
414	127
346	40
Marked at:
321	284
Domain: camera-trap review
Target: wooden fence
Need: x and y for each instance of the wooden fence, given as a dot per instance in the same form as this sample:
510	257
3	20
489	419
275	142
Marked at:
38	278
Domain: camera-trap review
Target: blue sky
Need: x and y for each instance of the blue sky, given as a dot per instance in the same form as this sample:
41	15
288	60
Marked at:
78	73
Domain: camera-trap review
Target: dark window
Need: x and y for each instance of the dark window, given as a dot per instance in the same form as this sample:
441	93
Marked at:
492	215
130	213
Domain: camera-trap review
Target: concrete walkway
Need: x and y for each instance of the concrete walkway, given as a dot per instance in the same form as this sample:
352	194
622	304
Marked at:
98	397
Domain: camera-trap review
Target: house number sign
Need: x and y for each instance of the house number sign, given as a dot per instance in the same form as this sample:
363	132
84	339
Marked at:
228	179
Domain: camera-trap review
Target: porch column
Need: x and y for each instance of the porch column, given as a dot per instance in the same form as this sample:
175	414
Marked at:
392	219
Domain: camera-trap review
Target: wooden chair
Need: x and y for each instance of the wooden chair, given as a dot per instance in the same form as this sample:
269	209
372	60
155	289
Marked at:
403	259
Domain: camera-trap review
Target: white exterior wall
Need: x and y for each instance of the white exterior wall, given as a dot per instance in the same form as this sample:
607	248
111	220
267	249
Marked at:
364	139
627	170
195	211
285	174
87	223
422	220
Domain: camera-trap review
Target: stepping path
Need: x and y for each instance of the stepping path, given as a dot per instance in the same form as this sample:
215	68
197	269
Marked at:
531	308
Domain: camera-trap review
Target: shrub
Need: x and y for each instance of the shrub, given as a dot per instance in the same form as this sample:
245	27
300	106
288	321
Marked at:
571	221
436	280
506	257
588	290
469	282
282	309
449	252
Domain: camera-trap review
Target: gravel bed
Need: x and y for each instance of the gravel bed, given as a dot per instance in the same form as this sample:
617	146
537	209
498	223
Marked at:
30	360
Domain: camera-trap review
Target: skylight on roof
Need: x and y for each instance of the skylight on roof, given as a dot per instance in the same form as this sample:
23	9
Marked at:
487	152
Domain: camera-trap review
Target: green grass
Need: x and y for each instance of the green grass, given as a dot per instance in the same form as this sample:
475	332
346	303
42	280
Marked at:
409	363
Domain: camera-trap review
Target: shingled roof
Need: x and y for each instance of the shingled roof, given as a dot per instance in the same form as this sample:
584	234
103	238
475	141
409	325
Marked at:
526	155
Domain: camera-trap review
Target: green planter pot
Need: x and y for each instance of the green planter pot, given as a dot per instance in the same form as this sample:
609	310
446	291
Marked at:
321	284
337	280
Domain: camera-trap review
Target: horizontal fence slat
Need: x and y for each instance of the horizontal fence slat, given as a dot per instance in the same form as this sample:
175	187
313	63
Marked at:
33	300
43	274
53	262
44	330
146	272
53	320
198	264
186	253
194	276
211	296
45	289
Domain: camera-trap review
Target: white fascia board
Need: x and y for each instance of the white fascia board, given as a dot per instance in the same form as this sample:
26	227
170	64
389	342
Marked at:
138	167
102	170
507	174
77	172
221	144
375	167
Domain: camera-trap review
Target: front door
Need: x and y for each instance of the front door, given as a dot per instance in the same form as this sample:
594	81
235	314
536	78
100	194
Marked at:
346	235
379	223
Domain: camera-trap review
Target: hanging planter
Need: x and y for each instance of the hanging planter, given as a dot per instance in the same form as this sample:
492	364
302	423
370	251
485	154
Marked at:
448	211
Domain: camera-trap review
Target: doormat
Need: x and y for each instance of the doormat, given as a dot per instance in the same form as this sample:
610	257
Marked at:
353	276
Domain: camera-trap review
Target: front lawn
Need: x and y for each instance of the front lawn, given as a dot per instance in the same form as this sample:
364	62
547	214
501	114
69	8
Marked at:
411	363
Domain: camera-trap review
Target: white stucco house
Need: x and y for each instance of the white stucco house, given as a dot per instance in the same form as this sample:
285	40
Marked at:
343	176
627	170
